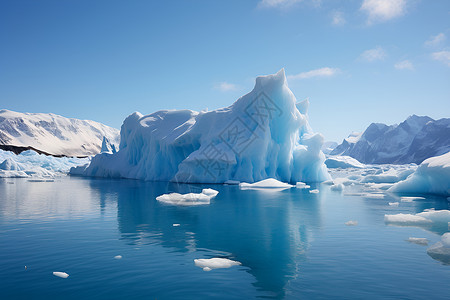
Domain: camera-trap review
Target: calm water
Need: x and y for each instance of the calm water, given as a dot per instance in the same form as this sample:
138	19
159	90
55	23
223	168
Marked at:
292	244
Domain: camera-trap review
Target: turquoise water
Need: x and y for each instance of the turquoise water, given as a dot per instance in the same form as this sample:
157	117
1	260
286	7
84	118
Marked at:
292	244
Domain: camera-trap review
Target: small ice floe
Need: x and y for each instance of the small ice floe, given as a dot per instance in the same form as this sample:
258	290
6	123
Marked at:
302	185
393	203
355	194
316	191
61	274
175	225
270	183
374	196
418	241
215	263
328	182
210	192
351	223
441	250
337	187
411	199
118	257
406	220
232	182
40	179
188	199
428	216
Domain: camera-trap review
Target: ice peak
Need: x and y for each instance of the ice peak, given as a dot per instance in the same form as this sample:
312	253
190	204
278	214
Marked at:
278	79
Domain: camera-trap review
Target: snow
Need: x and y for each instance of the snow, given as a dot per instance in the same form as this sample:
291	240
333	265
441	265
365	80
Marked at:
38	166
418	241
262	135
342	162
54	134
266	183
215	263
431	177
441	250
351	223
189	199
61	274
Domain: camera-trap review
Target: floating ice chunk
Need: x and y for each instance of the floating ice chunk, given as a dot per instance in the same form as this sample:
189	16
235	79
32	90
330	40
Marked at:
266	183
176	225
440	216
316	191
342	162
351	223
215	263
210	192
406	219
418	241
118	257
61	274
374	196
337	187
328	182
379	186
185	199
441	250
411	199
393	203
355	194
300	185
232	182
391	176
431	177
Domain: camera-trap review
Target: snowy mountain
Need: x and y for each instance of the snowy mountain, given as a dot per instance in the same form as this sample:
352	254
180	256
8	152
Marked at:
412	141
264	134
53	134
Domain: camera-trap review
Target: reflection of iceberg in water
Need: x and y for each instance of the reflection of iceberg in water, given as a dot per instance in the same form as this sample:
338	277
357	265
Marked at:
267	232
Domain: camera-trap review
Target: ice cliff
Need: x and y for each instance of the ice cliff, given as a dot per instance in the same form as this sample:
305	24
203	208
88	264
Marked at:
264	134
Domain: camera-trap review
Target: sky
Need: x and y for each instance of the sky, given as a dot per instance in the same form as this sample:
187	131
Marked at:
357	61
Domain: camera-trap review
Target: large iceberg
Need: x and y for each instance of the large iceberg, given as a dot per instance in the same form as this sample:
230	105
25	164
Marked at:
264	134
431	177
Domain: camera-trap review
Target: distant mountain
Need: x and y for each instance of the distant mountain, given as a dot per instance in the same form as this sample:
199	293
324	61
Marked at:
53	134
412	141
328	147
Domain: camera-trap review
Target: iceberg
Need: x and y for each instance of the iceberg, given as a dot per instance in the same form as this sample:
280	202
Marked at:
262	135
202	198
428	216
342	162
266	183
431	177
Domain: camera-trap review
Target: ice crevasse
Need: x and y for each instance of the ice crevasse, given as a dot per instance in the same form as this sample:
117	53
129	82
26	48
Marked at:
264	134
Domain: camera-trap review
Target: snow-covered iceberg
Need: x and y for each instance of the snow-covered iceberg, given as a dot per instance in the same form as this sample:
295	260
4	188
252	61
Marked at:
431	177
264	134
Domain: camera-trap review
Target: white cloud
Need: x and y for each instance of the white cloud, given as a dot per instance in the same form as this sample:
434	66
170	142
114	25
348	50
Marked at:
338	18
374	54
383	10
226	86
404	65
436	40
322	72
277	3
442	56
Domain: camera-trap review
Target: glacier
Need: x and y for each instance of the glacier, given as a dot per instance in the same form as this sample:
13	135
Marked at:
264	134
431	177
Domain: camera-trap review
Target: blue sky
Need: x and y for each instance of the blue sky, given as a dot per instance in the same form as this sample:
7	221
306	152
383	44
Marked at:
358	61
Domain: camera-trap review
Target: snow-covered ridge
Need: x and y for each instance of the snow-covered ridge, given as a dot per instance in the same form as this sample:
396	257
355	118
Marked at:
412	141
264	134
54	134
